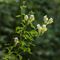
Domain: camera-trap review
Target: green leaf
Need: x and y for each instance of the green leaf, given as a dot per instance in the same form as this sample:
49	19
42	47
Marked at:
18	16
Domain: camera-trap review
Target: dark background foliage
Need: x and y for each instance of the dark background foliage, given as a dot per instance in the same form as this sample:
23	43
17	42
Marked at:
48	45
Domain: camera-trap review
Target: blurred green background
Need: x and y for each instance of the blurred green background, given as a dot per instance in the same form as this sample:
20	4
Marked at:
48	46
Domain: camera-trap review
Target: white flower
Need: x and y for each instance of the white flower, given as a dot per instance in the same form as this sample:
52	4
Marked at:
26	17
32	18
16	40
44	28
39	28
47	21
45	17
50	20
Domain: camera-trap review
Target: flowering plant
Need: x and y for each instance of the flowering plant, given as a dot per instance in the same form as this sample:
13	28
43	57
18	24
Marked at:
26	34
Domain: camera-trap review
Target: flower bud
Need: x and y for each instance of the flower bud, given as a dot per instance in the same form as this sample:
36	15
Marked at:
44	28
16	40
45	19
50	20
39	28
26	17
32	18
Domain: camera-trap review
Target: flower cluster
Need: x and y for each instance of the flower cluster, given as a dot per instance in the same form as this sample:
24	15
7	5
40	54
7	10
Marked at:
48	21
29	18
43	28
30	34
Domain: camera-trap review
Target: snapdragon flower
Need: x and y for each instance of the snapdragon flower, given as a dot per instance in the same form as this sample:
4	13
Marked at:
26	17
44	28
16	40
32	18
39	28
50	20
47	21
